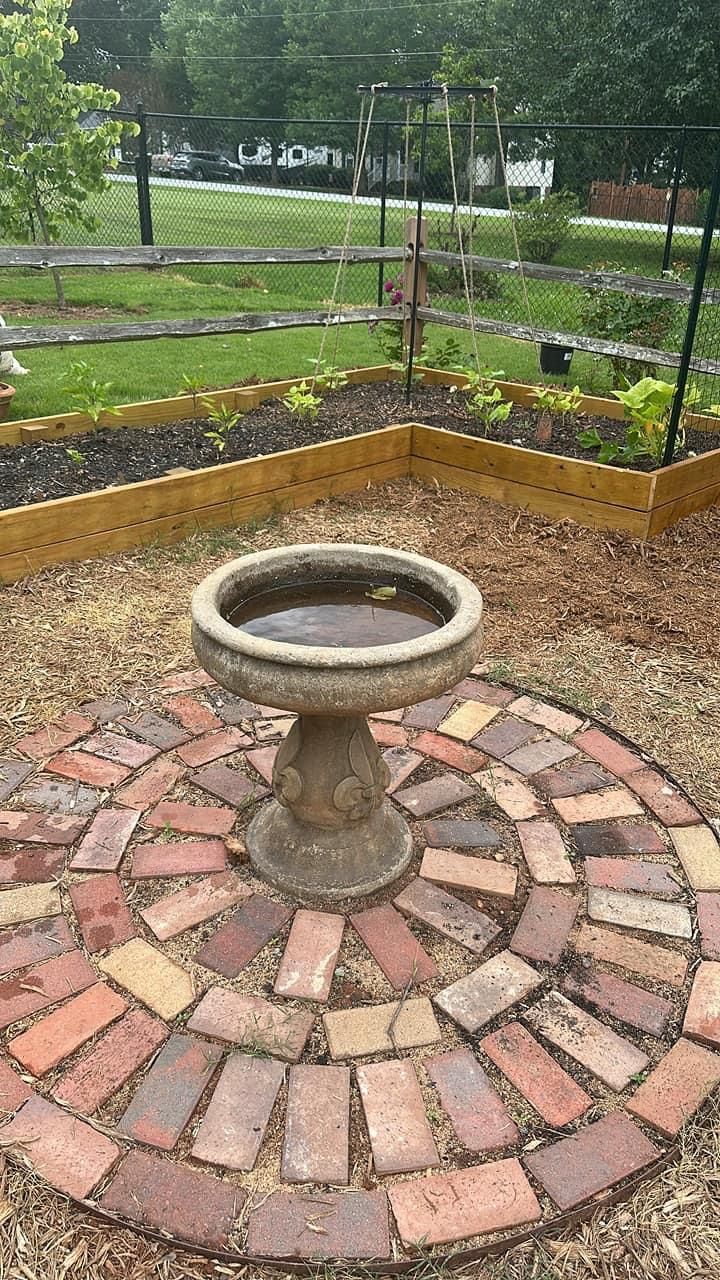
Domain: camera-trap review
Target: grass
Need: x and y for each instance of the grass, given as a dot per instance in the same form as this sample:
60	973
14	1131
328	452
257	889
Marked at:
184	215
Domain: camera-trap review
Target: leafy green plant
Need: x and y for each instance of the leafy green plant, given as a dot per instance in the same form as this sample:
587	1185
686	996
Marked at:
223	420
193	383
448	280
76	457
301	403
447	354
327	376
648	404
628	317
87	395
559	402
545	225
485	399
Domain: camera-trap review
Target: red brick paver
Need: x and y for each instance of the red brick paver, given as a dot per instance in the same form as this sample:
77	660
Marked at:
402	763
456	755
676	1087
308	964
30	943
549	717
456	833
400	955
43	985
607	751
317	1125
111	746
663	799
150	787
178	858
628	953
508	790
59	795
502	738
161	983
244	935
195	819
545	925
28	903
197	902
539	755
70	1155
579	776
187	1204
449	915
113	1059
381	1028
102	912
31	866
107	838
607	839
40	828
155	729
178	681
389	735
228	784
702	1017
170	1092
708	912
262	760
399	1133
233	1127
428	714
351	1225
497	985
253	1022
429	797
13	1090
12	774
476	1111
539	1078
491	694
105	710
544	851
636	911
593	1160
596	806
223	742
633	874
53	737
192	714
446	1207
462	871
86	768
56	1036
623	1000
699	853
604	1053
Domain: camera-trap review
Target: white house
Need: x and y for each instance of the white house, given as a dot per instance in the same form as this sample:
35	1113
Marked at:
533	175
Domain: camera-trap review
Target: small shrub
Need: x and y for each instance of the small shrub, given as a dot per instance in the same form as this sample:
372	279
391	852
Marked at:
301	403
648	405
223	420
545	225
87	395
485	399
627	317
487	285
558	402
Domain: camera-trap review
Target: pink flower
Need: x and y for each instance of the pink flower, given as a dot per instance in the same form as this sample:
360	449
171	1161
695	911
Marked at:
396	297
389	286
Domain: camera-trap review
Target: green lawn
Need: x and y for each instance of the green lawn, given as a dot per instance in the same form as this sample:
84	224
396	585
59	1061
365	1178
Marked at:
184	215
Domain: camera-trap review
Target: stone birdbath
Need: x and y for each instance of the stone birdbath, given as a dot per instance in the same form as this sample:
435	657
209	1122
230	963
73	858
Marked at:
334	632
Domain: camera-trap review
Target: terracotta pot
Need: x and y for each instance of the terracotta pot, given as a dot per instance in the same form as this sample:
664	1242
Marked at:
6	394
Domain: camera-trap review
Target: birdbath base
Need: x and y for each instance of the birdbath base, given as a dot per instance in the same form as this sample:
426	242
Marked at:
330	832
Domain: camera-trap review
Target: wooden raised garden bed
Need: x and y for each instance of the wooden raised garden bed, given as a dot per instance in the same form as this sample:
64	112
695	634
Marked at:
168	508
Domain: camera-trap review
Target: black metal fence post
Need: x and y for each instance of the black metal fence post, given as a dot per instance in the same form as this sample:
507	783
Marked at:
672	208
383	208
693	314
142	178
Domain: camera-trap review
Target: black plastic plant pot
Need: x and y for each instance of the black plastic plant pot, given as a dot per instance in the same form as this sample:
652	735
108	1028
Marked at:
555	359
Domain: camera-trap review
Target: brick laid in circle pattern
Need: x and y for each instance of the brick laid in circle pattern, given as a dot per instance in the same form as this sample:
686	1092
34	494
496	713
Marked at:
532	1007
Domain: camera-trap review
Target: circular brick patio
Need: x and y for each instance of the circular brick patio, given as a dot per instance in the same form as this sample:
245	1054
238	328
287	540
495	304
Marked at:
520	1024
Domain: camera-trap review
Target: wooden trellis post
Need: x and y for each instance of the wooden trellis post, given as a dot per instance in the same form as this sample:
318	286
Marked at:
416	243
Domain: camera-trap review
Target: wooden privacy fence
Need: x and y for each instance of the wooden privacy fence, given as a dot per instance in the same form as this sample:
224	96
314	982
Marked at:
151	258
641	202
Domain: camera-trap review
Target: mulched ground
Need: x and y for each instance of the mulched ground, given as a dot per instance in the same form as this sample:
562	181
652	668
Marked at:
38	472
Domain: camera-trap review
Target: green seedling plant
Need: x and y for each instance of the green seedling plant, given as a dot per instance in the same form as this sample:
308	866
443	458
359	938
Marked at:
76	457
301	403
485	400
327	376
558	402
193	383
87	394
648	404
448	354
223	420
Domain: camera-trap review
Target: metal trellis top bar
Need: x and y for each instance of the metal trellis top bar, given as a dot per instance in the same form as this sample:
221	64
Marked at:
428	90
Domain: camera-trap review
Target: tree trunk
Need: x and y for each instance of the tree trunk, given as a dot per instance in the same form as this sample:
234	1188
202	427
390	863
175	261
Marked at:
57	278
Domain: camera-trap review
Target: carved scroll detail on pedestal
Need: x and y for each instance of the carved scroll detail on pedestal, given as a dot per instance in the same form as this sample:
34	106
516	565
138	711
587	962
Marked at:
357	795
287	782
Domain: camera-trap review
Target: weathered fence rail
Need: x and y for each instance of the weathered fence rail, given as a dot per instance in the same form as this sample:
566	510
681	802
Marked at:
56	257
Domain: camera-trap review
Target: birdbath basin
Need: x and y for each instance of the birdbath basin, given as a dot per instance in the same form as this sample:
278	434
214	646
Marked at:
333	632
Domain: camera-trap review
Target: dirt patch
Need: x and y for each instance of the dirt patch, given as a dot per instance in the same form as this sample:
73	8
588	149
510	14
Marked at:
34	309
60	468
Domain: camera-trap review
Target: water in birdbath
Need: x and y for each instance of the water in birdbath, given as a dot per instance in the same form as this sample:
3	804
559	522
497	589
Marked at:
337	614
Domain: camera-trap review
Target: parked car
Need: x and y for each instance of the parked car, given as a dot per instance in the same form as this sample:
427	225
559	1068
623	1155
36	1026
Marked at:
205	166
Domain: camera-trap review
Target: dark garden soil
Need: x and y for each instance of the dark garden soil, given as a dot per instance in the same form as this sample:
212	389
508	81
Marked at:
57	469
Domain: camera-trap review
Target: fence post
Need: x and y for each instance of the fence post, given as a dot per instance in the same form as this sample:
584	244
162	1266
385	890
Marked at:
672	209
414	283
383	208
142	178
693	314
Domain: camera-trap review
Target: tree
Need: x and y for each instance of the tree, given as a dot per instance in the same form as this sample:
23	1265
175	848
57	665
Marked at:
232	55
51	163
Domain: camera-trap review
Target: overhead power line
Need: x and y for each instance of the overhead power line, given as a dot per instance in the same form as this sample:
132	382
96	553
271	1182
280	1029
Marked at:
305	13
269	57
